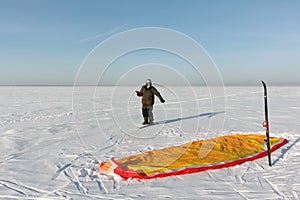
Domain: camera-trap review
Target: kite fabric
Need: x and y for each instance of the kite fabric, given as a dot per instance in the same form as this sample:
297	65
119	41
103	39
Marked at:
196	156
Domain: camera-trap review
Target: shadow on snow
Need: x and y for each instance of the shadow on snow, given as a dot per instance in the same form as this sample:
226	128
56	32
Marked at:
168	121
285	150
208	115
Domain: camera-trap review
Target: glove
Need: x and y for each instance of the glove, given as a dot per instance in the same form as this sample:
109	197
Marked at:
162	100
139	94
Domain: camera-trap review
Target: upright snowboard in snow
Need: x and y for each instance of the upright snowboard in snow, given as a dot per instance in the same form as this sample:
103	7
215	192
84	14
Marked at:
266	123
221	152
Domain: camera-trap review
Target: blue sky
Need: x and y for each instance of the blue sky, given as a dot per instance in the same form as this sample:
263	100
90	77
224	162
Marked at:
44	42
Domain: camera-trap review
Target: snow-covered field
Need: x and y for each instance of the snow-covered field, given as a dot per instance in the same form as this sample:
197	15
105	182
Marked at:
52	141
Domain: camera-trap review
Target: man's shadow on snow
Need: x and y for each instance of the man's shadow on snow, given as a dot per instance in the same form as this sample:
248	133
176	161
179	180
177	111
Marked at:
168	121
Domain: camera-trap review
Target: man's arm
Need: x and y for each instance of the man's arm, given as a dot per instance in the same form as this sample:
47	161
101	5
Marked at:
155	91
139	93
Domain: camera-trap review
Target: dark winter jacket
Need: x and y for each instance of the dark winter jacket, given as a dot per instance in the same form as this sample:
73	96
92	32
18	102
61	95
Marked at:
148	95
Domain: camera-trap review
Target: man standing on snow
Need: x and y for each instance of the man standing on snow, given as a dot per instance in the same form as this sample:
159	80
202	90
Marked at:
148	92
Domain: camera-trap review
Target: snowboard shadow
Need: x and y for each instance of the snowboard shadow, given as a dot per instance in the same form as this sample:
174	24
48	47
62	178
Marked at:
208	115
285	150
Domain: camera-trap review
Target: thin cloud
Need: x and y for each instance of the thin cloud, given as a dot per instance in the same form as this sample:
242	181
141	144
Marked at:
94	37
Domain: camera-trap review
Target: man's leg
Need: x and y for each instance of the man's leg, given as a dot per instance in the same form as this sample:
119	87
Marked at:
145	115
150	114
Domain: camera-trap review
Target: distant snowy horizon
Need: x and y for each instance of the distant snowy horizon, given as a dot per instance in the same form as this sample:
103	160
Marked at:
270	84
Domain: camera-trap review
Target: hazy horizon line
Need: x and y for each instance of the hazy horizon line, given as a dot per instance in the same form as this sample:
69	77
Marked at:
111	85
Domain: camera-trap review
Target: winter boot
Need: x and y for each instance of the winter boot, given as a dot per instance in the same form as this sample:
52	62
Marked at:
151	120
145	121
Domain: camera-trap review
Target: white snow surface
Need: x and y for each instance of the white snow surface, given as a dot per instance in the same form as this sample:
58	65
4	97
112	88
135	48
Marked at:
53	140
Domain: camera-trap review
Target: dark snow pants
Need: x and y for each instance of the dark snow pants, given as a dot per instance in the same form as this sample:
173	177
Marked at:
147	113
